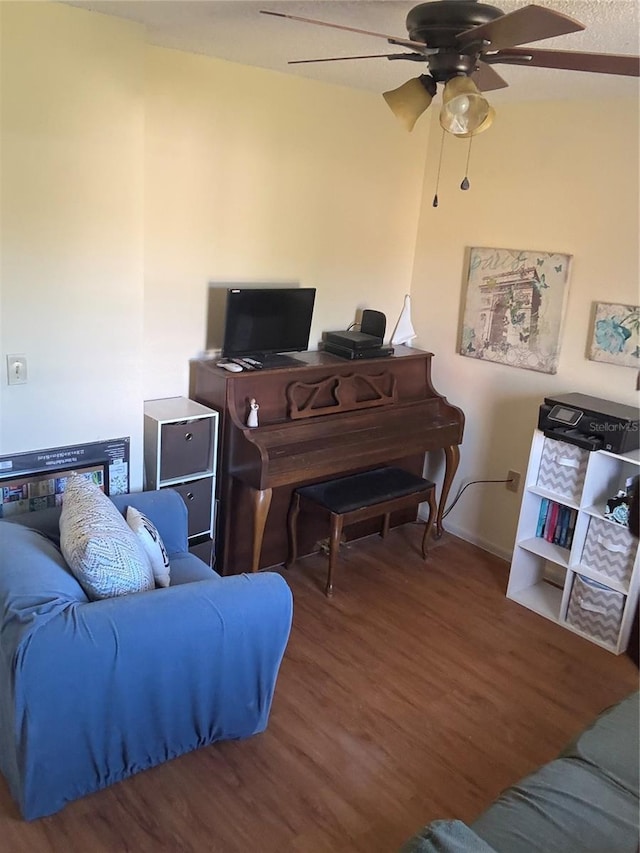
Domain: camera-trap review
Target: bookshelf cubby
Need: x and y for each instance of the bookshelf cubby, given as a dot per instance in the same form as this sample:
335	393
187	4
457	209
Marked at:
544	574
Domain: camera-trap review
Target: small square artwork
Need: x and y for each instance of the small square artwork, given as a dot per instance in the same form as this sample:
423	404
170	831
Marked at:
615	336
514	308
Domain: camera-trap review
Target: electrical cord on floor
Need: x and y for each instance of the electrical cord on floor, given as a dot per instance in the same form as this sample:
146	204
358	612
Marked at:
472	483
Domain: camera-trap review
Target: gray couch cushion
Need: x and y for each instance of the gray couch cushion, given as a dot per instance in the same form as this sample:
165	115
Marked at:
611	744
566	806
446	836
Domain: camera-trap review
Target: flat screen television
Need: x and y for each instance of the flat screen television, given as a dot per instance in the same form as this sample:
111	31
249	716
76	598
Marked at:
264	321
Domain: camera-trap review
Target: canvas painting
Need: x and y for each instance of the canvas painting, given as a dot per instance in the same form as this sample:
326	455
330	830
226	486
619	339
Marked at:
514	307
616	334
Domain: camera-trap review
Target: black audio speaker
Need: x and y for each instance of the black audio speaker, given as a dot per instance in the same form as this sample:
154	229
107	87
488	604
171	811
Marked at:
373	323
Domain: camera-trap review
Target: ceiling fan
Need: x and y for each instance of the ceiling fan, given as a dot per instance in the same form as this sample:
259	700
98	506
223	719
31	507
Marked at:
460	41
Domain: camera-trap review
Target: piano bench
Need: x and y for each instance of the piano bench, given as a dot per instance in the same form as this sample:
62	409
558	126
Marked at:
358	497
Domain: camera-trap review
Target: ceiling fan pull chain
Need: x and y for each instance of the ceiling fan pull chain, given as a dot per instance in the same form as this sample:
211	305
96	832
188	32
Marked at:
465	181
435	197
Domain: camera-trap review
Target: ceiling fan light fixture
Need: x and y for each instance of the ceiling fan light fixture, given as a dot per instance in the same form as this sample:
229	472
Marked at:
410	100
486	124
464	109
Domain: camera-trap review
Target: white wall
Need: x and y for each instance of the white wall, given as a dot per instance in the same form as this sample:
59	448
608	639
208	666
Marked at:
558	177
254	175
71	213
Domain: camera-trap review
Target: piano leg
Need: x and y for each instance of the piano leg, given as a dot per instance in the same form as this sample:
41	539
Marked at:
452	458
261	501
292	527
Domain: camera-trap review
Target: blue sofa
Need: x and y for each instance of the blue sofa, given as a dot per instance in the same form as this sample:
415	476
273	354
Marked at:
92	692
585	801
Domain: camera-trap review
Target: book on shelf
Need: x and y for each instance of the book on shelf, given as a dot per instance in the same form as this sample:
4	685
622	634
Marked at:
542	516
555	538
573	515
556	523
552	520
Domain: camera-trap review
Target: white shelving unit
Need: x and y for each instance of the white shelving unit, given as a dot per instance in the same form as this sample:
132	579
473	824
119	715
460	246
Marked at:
544	576
180	452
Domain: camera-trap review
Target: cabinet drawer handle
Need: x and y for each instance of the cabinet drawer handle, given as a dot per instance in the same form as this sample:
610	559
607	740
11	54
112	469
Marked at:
610	546
591	608
188	436
567	462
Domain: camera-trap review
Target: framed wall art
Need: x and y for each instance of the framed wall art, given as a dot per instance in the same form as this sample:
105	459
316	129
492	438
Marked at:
615	336
514	307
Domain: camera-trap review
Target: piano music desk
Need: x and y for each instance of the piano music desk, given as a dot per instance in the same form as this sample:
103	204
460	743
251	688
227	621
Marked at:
326	418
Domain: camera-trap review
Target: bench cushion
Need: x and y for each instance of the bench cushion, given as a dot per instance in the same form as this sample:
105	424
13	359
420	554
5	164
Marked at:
355	491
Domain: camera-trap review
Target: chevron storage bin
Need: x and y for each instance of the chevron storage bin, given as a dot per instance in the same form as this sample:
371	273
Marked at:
609	549
595	610
562	468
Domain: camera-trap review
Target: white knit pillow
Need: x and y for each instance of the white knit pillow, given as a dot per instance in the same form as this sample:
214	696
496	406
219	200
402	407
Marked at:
151	543
100	548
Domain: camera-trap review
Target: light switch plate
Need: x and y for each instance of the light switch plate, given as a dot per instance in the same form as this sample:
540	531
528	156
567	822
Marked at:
17	369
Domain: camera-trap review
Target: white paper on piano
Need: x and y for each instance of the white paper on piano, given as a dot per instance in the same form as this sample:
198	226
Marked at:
404	331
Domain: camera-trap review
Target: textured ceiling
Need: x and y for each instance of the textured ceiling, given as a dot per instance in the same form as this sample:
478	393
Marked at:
234	30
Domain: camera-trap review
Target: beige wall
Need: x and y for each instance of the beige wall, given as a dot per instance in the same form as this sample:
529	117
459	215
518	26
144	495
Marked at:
71	215
253	175
132	176
559	177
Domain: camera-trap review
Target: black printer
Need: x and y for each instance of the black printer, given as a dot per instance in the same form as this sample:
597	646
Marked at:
590	423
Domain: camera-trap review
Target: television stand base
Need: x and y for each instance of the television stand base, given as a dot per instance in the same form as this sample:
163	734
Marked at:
273	360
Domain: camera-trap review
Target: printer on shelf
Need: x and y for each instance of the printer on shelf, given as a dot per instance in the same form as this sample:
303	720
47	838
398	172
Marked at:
590	422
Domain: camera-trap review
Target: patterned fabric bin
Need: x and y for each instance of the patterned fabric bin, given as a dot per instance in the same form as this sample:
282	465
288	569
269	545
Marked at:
595	610
609	549
562	468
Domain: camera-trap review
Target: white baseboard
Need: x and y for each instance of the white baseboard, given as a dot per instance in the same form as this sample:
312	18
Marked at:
461	533
479	541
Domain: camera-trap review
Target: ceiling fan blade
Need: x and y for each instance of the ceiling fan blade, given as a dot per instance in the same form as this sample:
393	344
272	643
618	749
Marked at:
569	60
418	57
531	23
391	39
486	79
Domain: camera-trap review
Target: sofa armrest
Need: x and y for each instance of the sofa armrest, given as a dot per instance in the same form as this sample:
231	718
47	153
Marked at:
166	509
446	836
148	676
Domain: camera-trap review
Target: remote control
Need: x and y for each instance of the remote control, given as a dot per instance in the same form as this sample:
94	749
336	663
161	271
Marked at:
228	365
253	363
244	364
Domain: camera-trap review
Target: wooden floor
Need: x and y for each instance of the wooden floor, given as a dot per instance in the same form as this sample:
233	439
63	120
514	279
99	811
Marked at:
418	692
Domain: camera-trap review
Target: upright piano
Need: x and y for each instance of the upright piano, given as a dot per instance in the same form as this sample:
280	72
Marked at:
322	418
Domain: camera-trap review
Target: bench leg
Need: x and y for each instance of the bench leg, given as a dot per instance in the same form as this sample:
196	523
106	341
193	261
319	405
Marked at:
336	534
385	524
292	526
431	500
